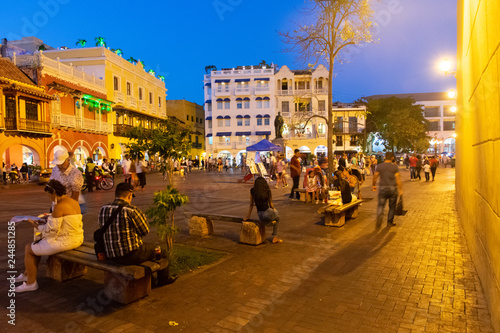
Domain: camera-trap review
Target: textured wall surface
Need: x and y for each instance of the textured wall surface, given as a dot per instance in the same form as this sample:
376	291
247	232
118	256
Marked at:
478	140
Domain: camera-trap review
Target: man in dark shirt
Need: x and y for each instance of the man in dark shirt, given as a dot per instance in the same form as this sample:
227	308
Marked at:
295	173
342	161
390	187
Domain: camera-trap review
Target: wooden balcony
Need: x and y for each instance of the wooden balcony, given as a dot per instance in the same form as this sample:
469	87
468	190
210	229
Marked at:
121	129
27	126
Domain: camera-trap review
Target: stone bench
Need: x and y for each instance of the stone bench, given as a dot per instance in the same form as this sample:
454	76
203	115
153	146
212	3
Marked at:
122	283
302	192
335	215
202	225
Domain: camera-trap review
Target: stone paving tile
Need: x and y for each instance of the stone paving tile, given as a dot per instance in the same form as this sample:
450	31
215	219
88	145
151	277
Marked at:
417	276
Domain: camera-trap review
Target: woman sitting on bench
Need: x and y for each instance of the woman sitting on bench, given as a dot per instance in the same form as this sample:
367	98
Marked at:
260	195
343	186
63	231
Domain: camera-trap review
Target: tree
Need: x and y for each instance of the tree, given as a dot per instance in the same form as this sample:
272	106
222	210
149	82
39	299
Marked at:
210	68
170	140
262	63
99	41
81	42
399	122
338	24
132	60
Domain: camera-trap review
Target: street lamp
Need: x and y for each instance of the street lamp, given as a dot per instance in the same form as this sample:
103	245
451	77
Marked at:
446	66
452	94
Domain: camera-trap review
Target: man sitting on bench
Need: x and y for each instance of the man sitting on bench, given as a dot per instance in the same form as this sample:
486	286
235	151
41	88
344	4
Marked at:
123	238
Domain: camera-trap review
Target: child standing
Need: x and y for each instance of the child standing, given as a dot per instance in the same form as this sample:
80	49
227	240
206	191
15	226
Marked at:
427	170
312	187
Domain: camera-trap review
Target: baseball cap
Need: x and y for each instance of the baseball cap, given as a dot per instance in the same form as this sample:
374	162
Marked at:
60	157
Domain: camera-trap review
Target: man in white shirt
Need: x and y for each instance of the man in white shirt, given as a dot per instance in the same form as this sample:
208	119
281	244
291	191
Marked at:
67	174
127	176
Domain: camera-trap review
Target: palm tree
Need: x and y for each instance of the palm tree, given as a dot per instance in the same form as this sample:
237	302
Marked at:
99	41
263	63
132	60
81	42
210	68
162	78
119	51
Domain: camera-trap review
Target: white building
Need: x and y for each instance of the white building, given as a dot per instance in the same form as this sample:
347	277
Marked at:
239	109
439	110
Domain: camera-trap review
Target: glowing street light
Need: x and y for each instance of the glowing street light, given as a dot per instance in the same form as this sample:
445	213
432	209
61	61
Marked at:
446	66
452	94
453	109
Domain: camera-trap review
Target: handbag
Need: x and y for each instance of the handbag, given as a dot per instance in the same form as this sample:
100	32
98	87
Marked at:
399	206
99	246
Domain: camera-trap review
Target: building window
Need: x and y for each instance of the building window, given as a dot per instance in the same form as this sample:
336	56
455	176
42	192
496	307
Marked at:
339	124
209	107
448	125
219	105
266	104
10	107
227	104
129	89
353	125
31	110
434	126
339	142
354	141
140	93
239	122
432	112
259	104
303	105
321	104
246	104
209	124
247	121
187	118
266	121
220	122
210	140
159	102
239	104
259	121
321	128
284	84
228	122
285	107
320	84
447	111
150	98
116	83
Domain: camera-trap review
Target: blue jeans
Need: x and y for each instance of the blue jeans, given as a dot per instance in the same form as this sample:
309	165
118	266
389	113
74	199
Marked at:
413	173
387	193
268	217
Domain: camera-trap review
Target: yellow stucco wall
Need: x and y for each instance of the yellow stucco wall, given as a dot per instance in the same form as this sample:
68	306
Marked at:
478	140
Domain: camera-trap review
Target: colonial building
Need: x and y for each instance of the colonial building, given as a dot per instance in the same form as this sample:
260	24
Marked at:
239	109
439	110
80	112
138	97
192	115
24	117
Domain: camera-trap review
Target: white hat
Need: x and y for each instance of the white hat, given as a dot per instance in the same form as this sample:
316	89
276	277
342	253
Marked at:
60	157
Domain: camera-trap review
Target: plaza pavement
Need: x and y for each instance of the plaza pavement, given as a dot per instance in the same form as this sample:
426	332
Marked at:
415	277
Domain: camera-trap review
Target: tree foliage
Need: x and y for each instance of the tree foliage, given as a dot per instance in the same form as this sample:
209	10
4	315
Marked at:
170	140
336	25
399	122
210	68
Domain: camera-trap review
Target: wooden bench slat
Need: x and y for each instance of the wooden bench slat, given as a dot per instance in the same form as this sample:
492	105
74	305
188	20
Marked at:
343	208
224	218
130	272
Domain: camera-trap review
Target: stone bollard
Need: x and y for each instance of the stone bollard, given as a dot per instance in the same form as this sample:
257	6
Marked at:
200	226
252	234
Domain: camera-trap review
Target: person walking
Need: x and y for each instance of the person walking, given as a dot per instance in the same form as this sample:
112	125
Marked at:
413	167
427	171
434	164
373	164
390	187
418	168
90	174
140	169
126	164
295	173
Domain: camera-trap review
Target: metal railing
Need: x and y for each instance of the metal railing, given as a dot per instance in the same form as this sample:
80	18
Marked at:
27	125
121	129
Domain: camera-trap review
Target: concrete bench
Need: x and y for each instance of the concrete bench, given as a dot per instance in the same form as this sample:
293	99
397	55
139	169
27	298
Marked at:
122	283
202	225
302	192
335	215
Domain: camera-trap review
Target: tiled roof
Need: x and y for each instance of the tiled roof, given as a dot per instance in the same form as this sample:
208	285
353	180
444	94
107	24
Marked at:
419	97
9	71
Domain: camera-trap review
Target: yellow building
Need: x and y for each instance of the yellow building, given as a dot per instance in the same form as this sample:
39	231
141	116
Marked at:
138	96
478	141
192	115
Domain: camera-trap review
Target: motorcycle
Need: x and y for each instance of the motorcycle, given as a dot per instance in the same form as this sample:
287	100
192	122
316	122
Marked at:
102	180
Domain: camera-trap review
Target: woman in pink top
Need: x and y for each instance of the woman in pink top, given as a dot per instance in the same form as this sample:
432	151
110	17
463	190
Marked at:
280	169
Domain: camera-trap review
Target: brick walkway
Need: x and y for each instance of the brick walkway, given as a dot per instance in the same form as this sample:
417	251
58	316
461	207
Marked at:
417	276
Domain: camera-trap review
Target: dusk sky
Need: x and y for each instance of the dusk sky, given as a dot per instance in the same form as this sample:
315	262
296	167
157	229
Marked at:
177	39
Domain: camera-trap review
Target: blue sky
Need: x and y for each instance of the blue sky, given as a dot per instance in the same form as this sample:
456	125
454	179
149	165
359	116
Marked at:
178	39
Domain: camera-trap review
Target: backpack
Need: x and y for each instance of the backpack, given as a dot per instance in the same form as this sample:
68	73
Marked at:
99	246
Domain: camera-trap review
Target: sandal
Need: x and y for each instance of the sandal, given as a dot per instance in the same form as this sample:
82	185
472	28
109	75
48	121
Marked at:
277	240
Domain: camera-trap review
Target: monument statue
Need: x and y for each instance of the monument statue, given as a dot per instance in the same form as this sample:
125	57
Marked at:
278	125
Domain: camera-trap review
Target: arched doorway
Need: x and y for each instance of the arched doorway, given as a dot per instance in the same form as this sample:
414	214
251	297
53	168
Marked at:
225	154
19	154
242	154
81	153
320	150
99	154
449	145
289	153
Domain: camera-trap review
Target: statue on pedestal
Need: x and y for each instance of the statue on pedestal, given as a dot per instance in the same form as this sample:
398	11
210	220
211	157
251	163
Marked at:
278	125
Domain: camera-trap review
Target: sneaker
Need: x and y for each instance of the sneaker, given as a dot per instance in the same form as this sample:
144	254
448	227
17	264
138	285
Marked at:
391	224
317	202
27	287
22	278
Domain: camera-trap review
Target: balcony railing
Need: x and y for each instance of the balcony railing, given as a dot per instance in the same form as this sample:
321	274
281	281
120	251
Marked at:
132	102
261	90
119	97
301	91
222	91
121	129
241	71
321	91
63	120
243	91
288	92
27	125
143	106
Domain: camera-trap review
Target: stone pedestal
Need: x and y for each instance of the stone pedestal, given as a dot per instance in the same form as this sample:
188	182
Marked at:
63	270
200	226
252	234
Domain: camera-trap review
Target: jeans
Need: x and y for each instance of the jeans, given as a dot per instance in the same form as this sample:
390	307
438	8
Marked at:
294	187
387	193
427	176
268	217
417	173
433	171
412	173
